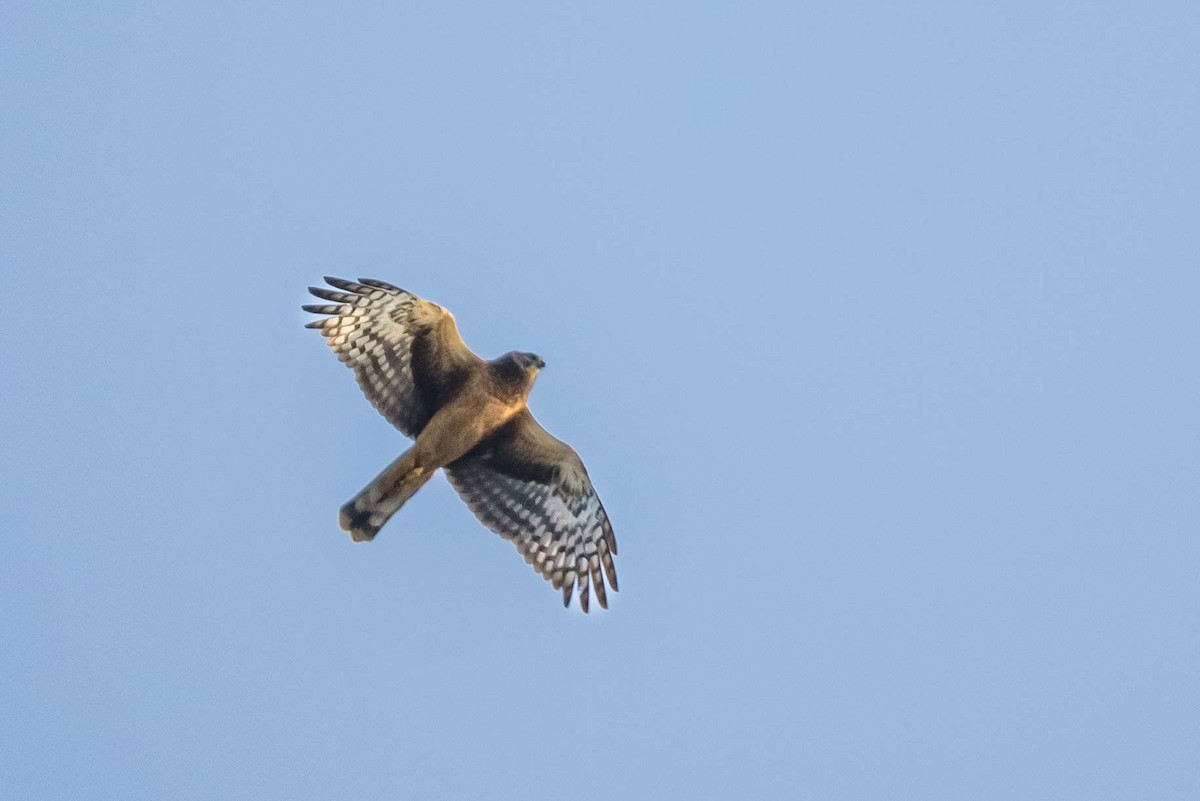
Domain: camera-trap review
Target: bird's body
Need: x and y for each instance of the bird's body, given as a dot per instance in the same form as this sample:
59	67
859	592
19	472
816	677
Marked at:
469	417
488	399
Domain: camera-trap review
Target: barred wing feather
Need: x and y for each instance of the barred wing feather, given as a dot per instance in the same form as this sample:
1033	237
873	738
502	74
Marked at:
405	351
533	489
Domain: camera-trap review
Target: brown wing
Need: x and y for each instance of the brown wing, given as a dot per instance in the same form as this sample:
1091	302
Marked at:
531	488
405	351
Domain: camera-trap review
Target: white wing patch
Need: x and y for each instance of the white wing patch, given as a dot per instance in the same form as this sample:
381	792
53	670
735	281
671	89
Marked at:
560	528
372	329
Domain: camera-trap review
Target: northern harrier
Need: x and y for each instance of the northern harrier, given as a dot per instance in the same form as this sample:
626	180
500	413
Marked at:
469	417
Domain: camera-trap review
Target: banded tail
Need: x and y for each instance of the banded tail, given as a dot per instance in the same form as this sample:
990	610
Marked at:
364	514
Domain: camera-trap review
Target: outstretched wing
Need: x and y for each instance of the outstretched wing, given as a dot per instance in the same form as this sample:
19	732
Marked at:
531	488
405	351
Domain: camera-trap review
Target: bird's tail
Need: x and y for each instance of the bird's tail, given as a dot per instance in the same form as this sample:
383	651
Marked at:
367	511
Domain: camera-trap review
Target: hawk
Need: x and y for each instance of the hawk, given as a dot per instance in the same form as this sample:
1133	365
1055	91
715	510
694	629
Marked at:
468	417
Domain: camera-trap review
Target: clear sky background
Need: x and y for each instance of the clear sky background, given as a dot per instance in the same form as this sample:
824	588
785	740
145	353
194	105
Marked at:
876	325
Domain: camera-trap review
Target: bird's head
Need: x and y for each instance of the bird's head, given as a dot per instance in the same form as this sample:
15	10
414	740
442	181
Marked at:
527	361
519	370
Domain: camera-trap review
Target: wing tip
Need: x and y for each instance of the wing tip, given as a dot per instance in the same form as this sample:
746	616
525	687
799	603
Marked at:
343	283
384	285
584	594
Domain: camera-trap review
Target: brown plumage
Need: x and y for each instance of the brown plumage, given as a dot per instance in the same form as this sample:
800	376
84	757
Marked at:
470	418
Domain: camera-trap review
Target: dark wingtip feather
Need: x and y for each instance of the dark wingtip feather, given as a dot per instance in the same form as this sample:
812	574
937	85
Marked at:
610	567
384	285
611	570
342	283
329	294
598	582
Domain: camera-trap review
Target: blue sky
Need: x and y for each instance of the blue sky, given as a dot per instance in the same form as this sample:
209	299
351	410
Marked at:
876	326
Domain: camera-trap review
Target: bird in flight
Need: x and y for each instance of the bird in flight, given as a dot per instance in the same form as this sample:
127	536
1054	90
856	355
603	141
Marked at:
469	417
